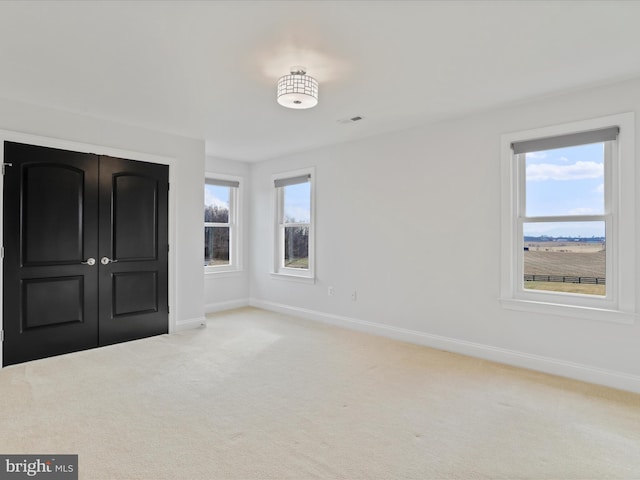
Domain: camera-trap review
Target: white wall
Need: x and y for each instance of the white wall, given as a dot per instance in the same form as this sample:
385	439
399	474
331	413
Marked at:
434	277
231	289
186	171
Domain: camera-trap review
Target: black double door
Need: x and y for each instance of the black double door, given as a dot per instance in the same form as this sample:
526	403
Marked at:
85	251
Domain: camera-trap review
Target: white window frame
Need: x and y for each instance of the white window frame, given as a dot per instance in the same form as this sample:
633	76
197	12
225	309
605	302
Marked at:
279	270
619	304
235	230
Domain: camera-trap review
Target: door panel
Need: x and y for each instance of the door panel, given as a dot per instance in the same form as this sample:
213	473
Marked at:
50	226
133	232
135	210
52	301
135	293
60	220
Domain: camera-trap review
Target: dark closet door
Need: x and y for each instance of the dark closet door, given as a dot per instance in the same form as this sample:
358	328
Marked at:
86	247
50	303
133	250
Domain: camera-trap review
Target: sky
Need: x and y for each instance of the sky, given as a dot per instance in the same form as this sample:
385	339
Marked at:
297	202
216	195
565	181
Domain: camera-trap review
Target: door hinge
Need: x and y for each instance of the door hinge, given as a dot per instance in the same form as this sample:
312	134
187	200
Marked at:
168	311
6	165
1	335
1	253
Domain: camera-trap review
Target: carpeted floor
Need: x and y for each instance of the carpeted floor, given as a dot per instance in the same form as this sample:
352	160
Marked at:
258	395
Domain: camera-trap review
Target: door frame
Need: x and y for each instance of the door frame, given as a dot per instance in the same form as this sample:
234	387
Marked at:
43	141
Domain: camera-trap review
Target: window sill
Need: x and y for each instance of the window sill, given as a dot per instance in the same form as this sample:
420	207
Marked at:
587	313
222	273
293	278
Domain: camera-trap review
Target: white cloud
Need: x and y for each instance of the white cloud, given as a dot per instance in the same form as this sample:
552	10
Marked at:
536	155
299	213
211	200
584	211
576	171
599	188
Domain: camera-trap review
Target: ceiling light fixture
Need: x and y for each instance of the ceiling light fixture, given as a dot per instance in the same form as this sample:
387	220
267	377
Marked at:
298	90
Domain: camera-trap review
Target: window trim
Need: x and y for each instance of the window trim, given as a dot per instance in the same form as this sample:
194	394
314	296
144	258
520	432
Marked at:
235	229
279	270
619	304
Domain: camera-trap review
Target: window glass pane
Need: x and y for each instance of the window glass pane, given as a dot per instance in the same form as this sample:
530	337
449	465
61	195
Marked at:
296	247
297	203
565	257
216	204
565	181
216	246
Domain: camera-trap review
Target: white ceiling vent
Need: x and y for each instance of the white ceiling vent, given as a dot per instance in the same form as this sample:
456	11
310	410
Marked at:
357	118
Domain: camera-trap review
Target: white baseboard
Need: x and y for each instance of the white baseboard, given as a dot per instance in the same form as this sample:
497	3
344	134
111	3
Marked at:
229	305
189	324
563	368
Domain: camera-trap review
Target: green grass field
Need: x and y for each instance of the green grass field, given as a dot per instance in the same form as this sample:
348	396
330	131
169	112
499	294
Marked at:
216	261
582	288
297	263
565	259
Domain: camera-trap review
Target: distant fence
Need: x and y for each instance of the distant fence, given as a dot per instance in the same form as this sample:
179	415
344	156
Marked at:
564	279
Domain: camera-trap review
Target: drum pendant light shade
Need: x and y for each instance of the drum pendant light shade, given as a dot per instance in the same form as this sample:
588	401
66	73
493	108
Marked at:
297	90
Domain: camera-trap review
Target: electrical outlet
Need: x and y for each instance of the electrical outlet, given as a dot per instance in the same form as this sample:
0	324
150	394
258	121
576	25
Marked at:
354	296
330	291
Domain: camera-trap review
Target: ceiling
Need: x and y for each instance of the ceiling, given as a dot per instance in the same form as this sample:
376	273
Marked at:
209	69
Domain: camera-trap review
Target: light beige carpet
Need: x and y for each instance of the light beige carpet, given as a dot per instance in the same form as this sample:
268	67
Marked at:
258	395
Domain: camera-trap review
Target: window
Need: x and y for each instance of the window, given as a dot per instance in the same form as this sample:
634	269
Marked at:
221	235
294	224
567	217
